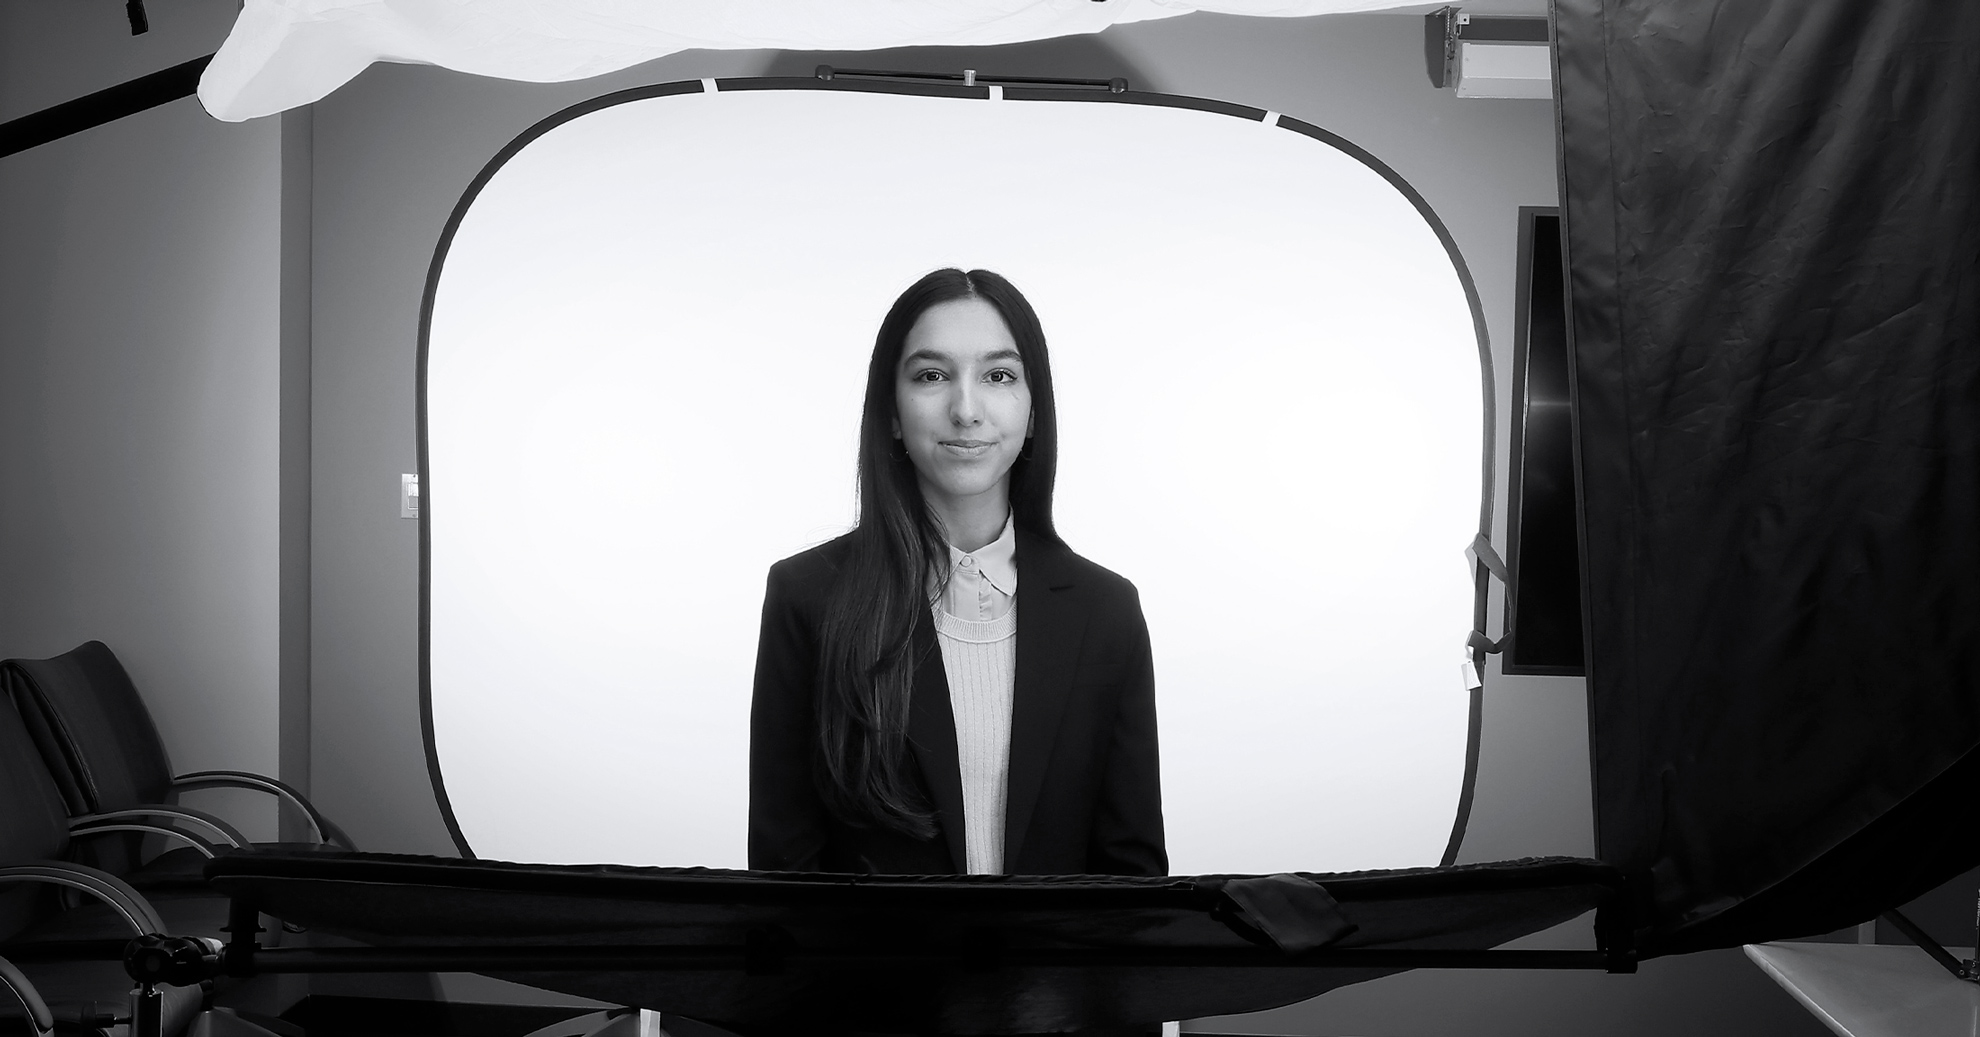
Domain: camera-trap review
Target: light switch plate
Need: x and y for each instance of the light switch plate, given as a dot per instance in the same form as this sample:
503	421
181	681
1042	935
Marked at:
409	496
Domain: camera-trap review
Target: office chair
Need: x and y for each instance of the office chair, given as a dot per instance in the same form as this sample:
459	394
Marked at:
98	739
65	969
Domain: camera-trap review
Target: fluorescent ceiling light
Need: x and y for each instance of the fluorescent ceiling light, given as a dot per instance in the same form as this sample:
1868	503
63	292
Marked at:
1507	70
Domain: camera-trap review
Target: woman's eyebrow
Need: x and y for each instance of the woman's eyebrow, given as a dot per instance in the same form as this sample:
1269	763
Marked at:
937	356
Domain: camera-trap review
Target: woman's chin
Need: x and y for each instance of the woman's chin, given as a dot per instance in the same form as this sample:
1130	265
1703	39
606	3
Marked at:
969	484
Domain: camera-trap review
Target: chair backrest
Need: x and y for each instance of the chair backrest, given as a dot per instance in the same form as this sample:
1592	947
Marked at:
91	727
33	824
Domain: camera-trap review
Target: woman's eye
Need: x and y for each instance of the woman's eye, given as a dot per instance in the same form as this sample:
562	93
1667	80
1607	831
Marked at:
929	375
1003	377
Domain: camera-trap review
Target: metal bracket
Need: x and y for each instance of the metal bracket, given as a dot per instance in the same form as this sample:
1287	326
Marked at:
970	77
1440	45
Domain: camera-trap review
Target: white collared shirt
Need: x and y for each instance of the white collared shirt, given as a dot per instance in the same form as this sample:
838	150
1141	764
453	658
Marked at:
982	583
976	627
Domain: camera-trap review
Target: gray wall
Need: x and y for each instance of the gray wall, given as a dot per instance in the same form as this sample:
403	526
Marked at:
139	357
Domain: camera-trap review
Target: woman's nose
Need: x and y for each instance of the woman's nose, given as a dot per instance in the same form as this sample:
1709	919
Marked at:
963	405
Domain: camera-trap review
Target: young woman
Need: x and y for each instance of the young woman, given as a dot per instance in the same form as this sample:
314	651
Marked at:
948	688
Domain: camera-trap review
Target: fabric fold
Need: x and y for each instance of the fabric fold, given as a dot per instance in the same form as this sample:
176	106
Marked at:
1291	913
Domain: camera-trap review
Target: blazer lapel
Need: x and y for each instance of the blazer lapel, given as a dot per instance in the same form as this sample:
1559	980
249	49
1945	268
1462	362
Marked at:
1051	626
932	734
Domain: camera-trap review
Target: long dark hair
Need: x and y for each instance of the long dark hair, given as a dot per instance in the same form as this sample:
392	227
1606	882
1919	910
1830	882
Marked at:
866	665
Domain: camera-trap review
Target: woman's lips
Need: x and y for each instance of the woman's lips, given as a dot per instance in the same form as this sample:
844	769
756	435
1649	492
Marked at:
966	447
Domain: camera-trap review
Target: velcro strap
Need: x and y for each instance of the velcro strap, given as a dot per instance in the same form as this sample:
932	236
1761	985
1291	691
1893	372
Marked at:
1481	553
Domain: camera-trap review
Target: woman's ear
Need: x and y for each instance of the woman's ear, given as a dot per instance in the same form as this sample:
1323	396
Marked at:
1030	423
896	422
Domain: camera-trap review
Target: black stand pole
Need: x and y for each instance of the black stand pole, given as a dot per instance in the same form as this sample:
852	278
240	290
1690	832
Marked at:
1961	969
147	1012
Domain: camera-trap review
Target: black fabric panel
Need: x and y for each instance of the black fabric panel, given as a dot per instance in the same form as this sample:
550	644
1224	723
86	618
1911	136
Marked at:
1772	238
1923	843
254	873
390	900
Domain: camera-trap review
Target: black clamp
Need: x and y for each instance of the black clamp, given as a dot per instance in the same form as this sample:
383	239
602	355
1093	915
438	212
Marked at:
178	961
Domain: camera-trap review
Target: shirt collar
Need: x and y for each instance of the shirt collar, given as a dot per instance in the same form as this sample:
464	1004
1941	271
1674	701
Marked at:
996	560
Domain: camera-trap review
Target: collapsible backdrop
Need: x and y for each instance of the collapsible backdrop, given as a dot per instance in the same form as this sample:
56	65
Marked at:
1772	234
642	377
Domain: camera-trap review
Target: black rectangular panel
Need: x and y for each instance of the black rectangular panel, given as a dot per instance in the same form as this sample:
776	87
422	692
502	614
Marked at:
1545	558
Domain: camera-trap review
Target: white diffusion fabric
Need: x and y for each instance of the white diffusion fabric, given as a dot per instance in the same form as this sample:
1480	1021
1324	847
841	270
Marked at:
644	375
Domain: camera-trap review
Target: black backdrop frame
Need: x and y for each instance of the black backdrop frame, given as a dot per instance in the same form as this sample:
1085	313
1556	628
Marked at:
972	87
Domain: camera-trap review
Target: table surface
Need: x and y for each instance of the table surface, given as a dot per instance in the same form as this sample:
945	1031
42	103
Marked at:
1874	990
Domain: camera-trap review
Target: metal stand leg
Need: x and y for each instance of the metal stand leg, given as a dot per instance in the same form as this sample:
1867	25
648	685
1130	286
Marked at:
147	1012
1961	969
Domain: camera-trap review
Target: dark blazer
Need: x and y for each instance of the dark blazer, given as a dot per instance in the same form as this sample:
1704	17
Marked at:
1084	786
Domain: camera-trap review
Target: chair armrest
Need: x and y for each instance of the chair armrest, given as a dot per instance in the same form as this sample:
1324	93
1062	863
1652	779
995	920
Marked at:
201	846
136	911
39	1017
325	831
226	834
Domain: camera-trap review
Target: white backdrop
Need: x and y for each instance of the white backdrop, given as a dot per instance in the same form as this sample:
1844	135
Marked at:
644	375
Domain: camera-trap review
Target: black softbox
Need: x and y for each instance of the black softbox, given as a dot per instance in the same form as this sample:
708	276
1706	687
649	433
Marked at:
1772	235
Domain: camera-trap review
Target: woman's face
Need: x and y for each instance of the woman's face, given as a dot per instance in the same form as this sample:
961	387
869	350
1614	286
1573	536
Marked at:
961	401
